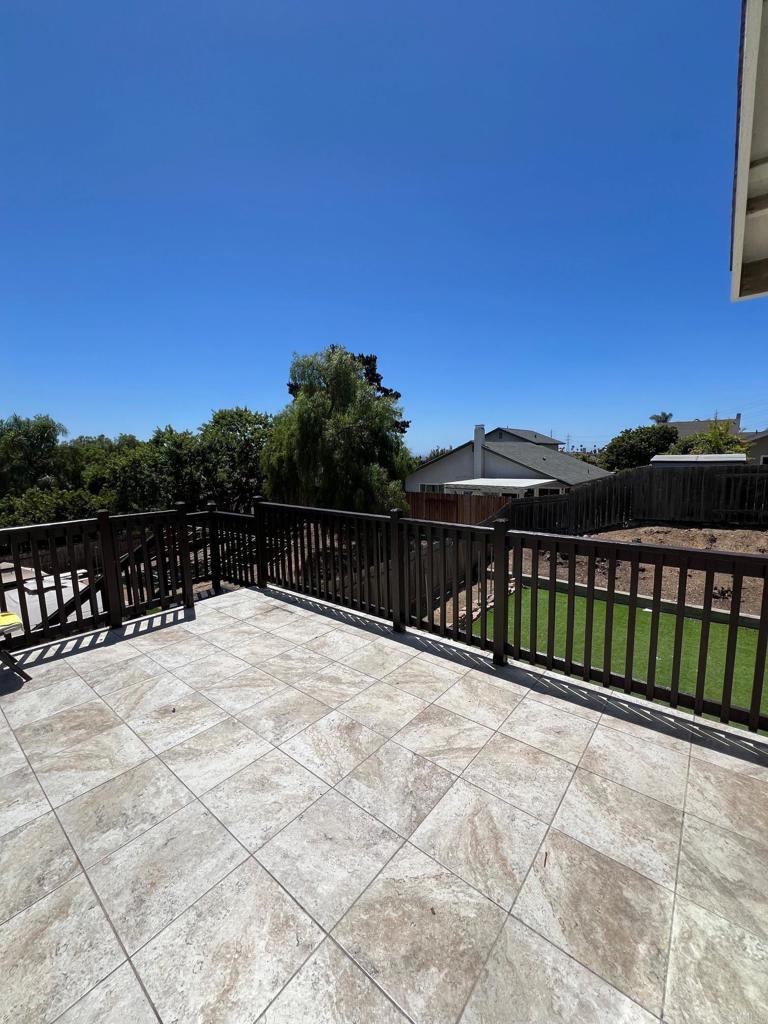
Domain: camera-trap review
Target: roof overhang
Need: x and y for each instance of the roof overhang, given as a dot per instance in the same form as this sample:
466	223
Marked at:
496	485
749	226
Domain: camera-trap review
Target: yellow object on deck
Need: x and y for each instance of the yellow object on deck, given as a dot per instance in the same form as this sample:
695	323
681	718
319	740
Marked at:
8	620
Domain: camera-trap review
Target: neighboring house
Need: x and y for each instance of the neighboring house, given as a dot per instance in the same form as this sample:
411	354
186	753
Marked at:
758	445
685	428
500	463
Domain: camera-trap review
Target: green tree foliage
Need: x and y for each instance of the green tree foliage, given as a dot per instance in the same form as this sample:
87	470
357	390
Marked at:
717	440
339	443
231	444
28	452
436	452
660	417
637	446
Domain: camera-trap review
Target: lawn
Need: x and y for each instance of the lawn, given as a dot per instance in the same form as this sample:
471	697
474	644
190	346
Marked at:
718	635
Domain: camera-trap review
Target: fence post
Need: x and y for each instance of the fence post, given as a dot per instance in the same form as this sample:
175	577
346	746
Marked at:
396	582
213	540
112	585
500	592
261	542
187	590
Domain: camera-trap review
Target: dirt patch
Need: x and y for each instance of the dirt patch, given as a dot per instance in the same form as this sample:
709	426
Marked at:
736	541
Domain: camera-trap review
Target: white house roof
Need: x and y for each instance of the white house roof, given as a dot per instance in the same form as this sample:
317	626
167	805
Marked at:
683	459
518	483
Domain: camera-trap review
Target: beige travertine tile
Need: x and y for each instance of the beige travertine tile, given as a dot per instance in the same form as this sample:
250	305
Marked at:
296	665
190	648
378	658
119	999
149	636
34	859
331	989
632	828
50	735
605	915
733	801
146	695
744	758
212	623
397	787
30	705
229	955
259	800
421	676
176	721
21	799
522	775
77	769
239	692
423	934
275	617
482	698
337	644
209	757
725	873
53	952
383	708
644	766
327	856
96	662
282	716
134	670
549	729
718	972
236	633
263	647
482	839
209	670
42	669
649	724
11	757
304	629
333	746
528	981
149	882
106	818
565	697
445	738
334	684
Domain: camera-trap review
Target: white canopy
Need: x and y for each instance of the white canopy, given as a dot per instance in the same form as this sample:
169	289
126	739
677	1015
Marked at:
497	485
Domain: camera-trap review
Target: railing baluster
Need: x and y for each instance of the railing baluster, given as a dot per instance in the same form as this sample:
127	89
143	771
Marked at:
701	676
730	651
631	622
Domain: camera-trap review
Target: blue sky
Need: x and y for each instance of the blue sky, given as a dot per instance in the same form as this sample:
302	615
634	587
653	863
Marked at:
523	209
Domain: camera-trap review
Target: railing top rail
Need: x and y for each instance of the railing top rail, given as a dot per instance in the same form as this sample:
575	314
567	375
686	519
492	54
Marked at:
8	531
144	515
726	560
475	527
322	511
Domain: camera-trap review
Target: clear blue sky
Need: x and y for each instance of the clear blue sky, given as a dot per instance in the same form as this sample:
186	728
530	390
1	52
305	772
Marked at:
523	209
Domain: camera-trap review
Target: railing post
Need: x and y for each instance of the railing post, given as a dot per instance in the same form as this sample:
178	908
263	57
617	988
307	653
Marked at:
261	542
213	540
396	581
187	589
111	593
500	592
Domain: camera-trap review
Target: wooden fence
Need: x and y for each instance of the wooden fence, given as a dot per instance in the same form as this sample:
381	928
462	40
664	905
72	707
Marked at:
665	623
468	509
673	495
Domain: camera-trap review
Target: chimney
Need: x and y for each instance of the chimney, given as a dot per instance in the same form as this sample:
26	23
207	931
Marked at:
477	451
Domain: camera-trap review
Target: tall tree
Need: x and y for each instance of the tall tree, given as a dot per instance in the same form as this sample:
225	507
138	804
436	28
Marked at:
339	443
717	440
28	450
231	443
636	447
660	417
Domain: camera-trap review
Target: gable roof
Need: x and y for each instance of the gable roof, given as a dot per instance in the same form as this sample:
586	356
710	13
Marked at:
547	462
687	427
528	435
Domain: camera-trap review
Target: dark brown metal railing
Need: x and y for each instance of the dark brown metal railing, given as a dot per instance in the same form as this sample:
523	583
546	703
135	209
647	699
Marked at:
685	627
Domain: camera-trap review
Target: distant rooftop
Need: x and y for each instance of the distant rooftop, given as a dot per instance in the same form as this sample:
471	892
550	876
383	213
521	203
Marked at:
687	427
684	460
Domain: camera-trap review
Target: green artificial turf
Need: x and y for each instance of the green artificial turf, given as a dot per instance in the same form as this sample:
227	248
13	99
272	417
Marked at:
718	635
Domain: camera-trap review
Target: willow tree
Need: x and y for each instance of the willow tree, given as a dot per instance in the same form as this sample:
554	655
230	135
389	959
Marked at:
339	442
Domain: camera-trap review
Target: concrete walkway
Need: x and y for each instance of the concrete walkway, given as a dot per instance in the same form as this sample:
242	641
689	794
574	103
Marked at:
268	811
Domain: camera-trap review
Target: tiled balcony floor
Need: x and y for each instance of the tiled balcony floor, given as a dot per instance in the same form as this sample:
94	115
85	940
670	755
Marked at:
265	812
